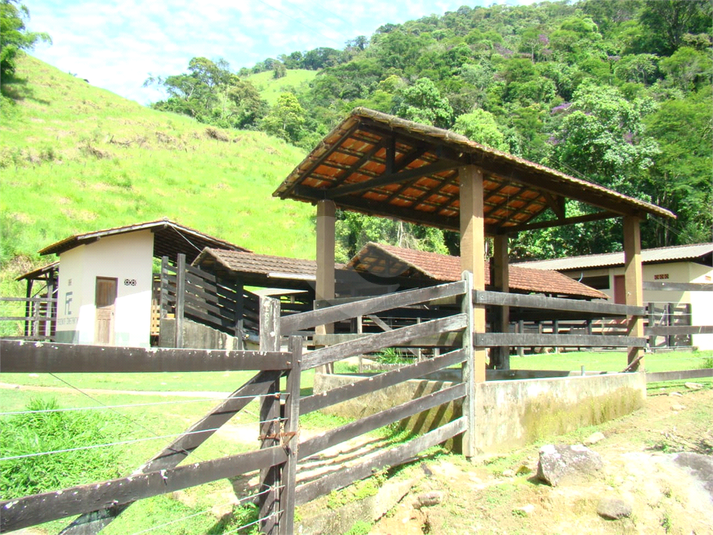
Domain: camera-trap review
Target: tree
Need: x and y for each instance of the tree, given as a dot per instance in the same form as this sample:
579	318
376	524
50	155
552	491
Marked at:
669	20
15	36
422	102
480	126
285	119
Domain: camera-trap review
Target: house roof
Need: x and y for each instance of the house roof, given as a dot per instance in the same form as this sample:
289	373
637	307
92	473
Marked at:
378	164
700	252
170	239
390	261
258	267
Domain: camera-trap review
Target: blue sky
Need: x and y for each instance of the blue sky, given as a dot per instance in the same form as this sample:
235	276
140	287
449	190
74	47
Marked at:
116	44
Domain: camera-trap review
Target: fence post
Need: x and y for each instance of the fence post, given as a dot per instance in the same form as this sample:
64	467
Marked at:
468	369
180	298
270	419
290	439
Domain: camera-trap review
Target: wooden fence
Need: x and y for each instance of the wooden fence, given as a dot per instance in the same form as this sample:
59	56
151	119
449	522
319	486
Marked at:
282	448
28	318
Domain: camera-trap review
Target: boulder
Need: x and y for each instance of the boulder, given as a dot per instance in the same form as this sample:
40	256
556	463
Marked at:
613	508
561	462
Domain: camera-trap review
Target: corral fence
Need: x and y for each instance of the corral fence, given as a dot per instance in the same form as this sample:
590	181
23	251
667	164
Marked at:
282	449
28	318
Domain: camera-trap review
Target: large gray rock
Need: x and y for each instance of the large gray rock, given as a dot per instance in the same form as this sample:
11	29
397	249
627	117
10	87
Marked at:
560	463
613	508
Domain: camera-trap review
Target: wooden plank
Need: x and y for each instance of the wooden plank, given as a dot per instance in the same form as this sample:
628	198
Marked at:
208	306
678	286
680	375
29	299
180	300
291	439
38	357
555	303
598	216
373	383
39	508
452	339
377	341
557	340
389	416
391	457
181	447
223	298
678	329
216	288
298	322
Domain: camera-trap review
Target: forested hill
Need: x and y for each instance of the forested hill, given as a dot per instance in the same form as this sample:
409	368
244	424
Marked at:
615	91
75	158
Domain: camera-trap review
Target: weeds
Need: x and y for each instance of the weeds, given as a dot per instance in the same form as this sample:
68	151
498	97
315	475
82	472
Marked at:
38	432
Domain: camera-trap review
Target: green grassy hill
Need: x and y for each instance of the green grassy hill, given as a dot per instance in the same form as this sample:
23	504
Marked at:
75	158
271	88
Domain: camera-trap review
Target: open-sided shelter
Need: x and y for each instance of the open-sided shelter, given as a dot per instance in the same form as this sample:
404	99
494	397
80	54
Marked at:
382	165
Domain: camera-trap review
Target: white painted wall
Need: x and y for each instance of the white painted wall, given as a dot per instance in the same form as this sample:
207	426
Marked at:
702	305
126	257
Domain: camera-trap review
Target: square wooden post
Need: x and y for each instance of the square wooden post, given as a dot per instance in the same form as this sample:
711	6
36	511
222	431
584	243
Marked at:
472	253
472	248
501	282
633	284
324	288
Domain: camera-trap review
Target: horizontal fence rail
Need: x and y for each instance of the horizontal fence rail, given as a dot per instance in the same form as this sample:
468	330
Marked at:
43	357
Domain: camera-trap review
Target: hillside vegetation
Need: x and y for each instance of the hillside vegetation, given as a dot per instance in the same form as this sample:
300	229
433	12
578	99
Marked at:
270	87
75	158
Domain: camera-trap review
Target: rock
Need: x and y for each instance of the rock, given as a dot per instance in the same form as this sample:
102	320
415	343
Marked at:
613	508
429	499
525	510
594	438
426	470
562	462
678	407
508	473
523	470
693	386
675	394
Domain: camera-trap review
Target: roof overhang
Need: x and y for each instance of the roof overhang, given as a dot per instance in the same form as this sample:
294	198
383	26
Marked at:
170	239
379	164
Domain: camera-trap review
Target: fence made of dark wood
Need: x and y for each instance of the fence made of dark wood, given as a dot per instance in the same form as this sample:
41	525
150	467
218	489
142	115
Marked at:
282	448
28	318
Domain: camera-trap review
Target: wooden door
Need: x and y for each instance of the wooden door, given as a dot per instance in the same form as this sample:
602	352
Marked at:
105	301
619	290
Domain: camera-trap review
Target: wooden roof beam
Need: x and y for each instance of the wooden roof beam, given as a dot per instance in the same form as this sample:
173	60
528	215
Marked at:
557	222
394	178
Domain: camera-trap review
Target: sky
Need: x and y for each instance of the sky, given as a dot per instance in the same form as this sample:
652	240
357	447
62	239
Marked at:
118	44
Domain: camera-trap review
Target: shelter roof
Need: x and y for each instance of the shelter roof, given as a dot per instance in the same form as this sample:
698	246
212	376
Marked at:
699	252
170	239
379	164
390	261
41	273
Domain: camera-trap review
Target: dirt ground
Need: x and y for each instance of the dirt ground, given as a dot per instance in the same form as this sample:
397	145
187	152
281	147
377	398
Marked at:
502	496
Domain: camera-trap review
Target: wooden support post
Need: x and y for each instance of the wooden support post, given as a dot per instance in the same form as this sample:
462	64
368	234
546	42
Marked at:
468	444
472	248
325	261
180	298
633	284
291	439
501	282
240	316
270	419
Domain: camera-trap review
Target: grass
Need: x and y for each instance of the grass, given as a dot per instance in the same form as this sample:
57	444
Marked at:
611	361
75	158
271	88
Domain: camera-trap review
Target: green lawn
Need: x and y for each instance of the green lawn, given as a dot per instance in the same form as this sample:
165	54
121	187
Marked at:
271	88
611	361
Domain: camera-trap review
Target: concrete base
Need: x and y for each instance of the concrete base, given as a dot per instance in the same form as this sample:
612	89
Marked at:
510	413
196	336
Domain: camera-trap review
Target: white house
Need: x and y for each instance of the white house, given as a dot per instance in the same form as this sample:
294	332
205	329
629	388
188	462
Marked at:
106	279
680	264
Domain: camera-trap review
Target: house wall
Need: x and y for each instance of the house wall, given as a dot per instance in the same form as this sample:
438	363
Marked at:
129	259
702	313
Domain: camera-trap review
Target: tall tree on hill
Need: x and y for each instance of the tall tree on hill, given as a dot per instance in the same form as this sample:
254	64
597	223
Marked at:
667	21
14	36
